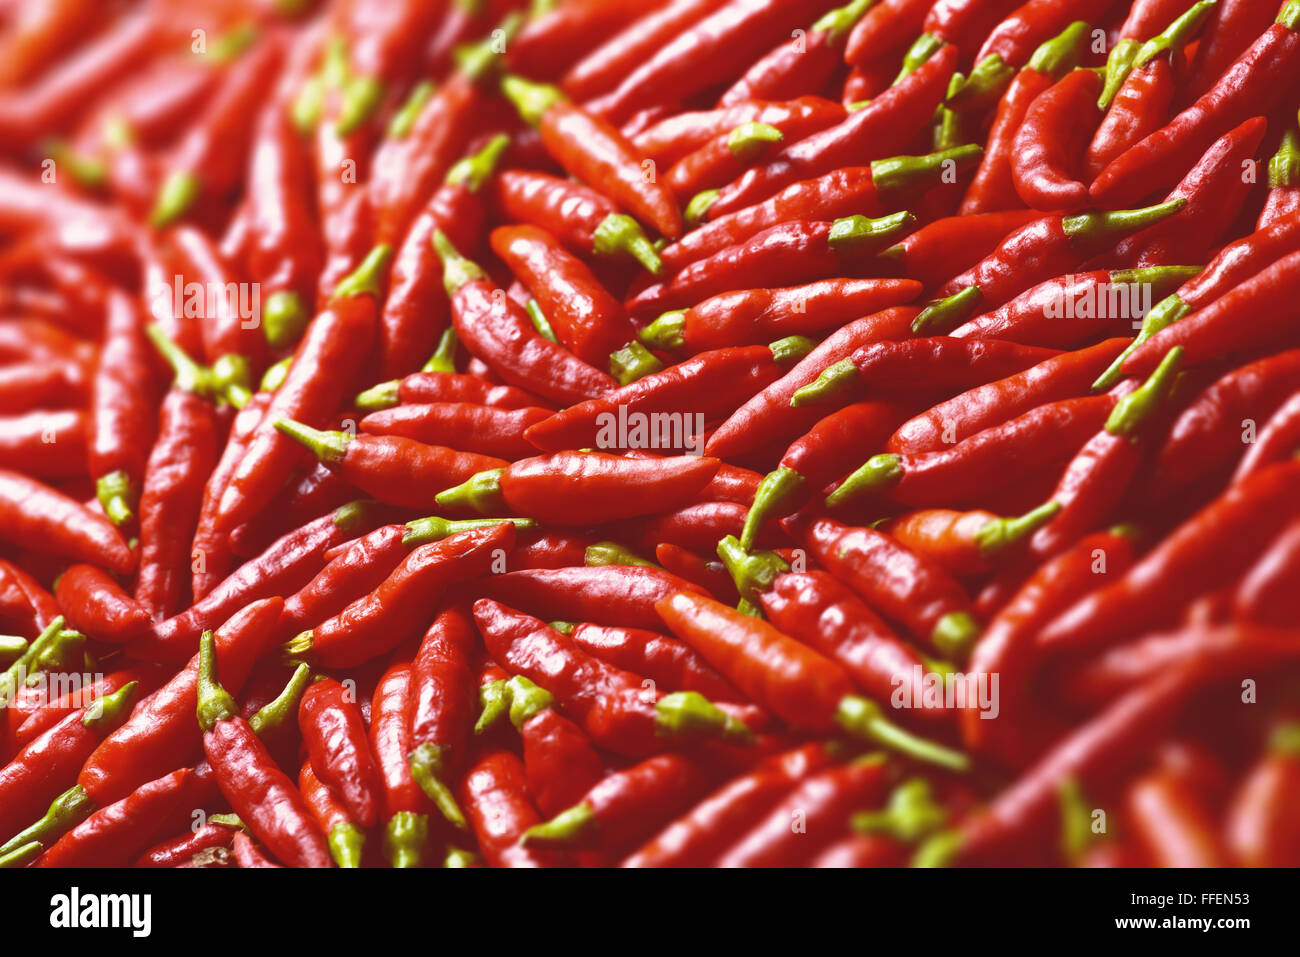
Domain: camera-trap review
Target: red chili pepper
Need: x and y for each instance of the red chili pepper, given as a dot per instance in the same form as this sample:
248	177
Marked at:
45	444
321	375
1230	30
584	488
1173	822
665	661
35	516
870	190
613	706
560	762
122	410
344	837
931	253
704	386
498	330
711	50
1047	150
112	837
882	128
178	851
286	566
1278	439
258	791
786	254
94	603
416	311
1038	251
1266	594
1260	830
1014	39
405	805
480	429
1283	181
42	383
335	736
604	594
381	620
1256	312
229	319
161	733
824	801
886	27
1213	545
25	607
1214	185
1251	86
493	794
673	137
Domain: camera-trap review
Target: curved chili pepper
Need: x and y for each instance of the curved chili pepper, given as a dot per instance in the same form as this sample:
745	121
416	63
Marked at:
259	792
594	151
1213	185
1216	542
34	776
344	837
35	516
560	762
498	330
824	801
122	410
320	377
94	603
786	254
1046	151
1251	86
798	684
930	254
884	127
675	136
713	49
1255	312
605	594
481	429
286	566
1232	27
870	190
1283	181
663	660
416	310
442	703
584	488
706	385
178	851
1038	251
613	706
1266	593
1260	831
1140	106
45	444
112	837
493	793
381	620
336	743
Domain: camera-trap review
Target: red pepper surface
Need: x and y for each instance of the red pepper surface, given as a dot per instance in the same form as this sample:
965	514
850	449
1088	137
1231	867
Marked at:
931	253
709	384
1173	822
1215	543
886	27
625	807
258	791
587	319
51	712
613	706
36	516
416	311
584	220
1041	250
1232	27
493	793
286	566
870	190
675	136
713	49
428	387
394	469
1251	86
406	809
1278	439
595	152
335	736
882	128
94	603
178	851
1046	152
113	836
45	444
554	39
584	488
161	733
1214	190
665	661
560	761
498	330
345	838
379	621
993	188
480	429
606	594
50	762
1283	181
824	800
122	409
1260	831
1014	39
229	325
1266	593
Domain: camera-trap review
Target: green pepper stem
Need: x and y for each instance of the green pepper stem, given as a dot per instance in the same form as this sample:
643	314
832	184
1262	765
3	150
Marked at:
753	572
850	234
111	710
367	278
405	836
457	271
539	320
1119	64
284	709
685	714
346	844
946	313
698	206
378	397
984	87
1137	407
612	553
1284	167
190	376
776	490
865	719
1000	534
444	357
284	318
955	634
531	100
403	121
116	493
833	381
922	48
175	197
480	492
214	702
1175	36
1102	229
570	827
632	362
1062	53
472	171
666	332
910	814
878	472
494	703
434	528
527	700
330	448
749	140
429	766
65	812
618	234
903	172
841	20
1165	313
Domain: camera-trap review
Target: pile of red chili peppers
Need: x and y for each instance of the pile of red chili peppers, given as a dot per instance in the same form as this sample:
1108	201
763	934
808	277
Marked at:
658	433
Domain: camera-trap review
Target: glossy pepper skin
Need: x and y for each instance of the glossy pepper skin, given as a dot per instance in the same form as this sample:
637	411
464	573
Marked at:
335	735
258	791
93	602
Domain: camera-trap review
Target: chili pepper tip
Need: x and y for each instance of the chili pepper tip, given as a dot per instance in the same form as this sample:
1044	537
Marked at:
876	473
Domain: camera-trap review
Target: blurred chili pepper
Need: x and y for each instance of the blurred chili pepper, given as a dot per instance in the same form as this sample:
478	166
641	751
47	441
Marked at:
675	136
1260	830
